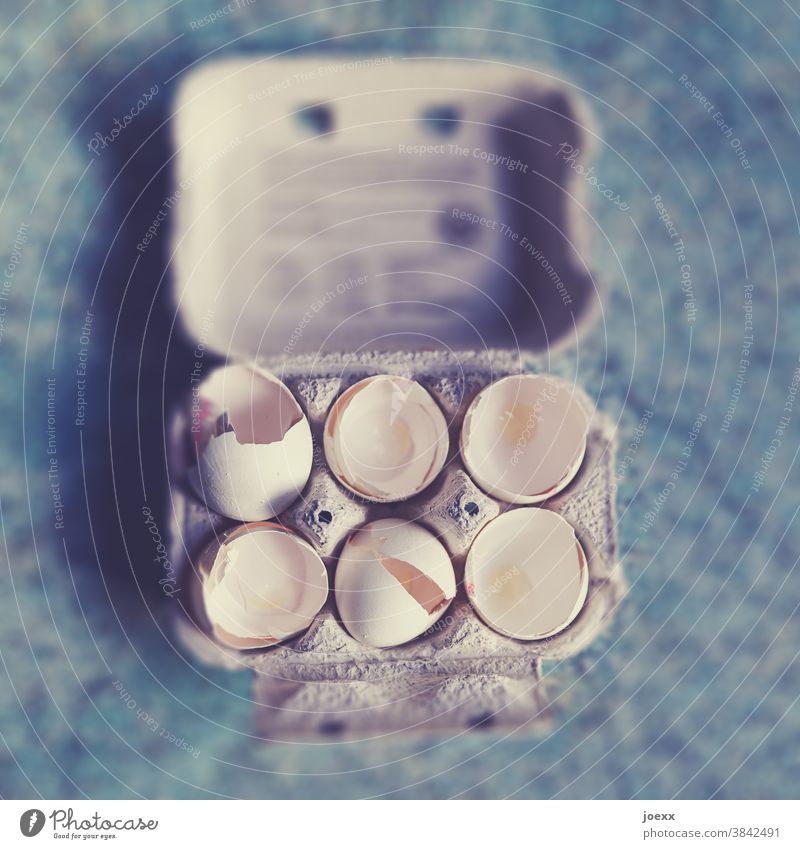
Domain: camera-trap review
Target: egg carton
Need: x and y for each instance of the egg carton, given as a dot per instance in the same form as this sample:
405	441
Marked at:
460	673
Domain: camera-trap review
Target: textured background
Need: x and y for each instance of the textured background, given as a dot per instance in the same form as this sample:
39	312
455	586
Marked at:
691	693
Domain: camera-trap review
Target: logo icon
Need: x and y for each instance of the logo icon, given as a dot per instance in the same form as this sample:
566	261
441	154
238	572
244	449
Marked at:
31	822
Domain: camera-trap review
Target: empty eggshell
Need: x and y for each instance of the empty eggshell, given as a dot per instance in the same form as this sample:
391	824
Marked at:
524	437
261	585
394	579
526	574
386	438
252	441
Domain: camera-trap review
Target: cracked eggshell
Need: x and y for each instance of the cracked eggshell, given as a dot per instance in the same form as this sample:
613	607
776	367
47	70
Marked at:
252	443
526	574
394	579
386	438
524	437
261	585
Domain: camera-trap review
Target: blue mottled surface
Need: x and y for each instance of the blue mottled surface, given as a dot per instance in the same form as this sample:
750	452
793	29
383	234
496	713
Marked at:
693	691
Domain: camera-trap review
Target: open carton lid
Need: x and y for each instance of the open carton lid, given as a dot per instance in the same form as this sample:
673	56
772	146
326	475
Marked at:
381	203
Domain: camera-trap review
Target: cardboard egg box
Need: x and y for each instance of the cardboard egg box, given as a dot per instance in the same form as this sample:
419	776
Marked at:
327	274
459	646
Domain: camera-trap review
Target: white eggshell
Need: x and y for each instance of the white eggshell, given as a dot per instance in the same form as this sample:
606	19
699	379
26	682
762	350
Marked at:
524	437
374	603
526	574
259	466
386	438
261	585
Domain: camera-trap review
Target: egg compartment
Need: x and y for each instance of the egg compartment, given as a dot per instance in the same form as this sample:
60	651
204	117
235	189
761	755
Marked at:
460	673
